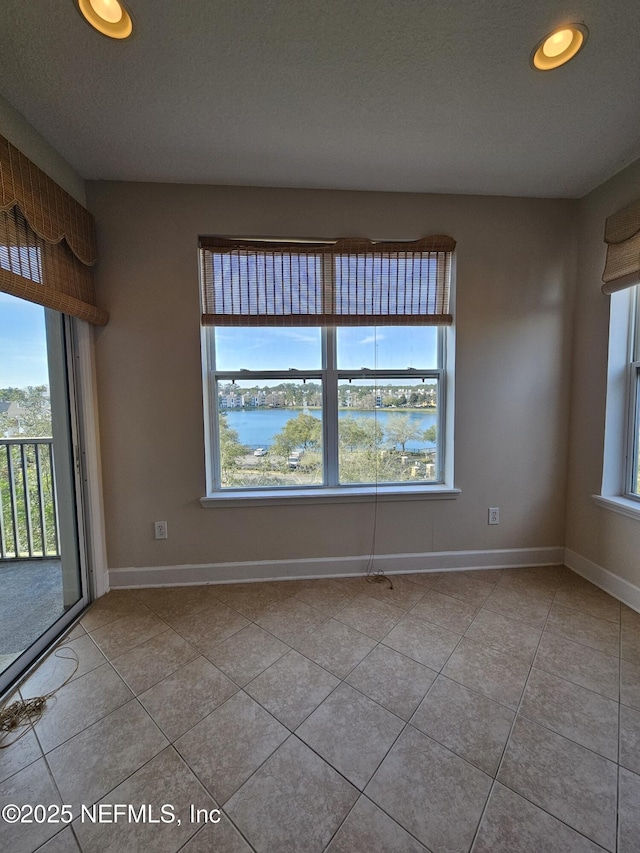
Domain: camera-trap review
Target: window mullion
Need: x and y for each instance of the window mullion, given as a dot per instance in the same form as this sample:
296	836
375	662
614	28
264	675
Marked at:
441	404
330	390
635	326
635	473
633	400
212	426
633	432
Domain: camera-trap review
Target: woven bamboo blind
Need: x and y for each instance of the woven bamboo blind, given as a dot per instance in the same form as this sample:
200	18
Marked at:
622	236
47	240
348	282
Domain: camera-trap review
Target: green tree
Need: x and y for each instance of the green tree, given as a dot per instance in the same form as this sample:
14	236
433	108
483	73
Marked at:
28	417
33	416
373	466
429	434
400	429
431	394
359	433
302	431
230	448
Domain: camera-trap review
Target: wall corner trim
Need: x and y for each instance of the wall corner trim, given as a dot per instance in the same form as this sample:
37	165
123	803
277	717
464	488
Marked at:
618	587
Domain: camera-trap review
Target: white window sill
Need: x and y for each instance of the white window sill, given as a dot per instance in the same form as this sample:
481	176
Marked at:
619	504
359	494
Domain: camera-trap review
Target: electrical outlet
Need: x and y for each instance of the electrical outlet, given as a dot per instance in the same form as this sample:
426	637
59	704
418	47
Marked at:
494	515
161	530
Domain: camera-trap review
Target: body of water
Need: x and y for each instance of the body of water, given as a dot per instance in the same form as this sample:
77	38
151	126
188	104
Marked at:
258	427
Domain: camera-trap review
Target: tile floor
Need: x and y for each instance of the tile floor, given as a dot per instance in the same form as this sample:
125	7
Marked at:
493	711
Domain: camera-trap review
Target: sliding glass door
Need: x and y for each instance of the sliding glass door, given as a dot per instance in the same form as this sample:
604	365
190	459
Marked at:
42	557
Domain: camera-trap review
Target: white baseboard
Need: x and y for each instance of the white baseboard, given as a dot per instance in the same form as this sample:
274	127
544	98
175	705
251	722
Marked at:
618	587
262	570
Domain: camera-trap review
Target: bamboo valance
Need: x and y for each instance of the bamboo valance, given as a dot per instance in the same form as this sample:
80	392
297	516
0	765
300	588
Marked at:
332	283
50	211
47	240
44	273
622	236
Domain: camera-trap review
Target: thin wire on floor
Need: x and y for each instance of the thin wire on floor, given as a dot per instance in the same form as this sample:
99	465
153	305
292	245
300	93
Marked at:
377	576
22	714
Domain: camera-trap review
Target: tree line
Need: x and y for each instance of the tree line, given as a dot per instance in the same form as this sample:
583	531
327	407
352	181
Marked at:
292	395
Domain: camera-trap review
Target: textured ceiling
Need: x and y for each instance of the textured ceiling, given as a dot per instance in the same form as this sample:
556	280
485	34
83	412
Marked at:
352	94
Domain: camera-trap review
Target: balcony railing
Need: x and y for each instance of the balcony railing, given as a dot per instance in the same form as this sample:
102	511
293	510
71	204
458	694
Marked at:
28	512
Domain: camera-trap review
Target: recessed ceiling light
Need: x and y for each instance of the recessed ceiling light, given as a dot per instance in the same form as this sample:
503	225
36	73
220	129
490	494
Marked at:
109	17
559	47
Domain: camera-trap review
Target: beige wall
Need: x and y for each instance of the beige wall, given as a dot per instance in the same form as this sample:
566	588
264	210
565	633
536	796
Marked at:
15	128
606	538
515	280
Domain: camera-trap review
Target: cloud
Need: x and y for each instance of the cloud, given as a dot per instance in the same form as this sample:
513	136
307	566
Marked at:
299	336
372	339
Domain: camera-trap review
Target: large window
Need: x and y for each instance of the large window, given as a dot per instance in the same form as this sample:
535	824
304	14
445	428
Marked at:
621	276
325	369
291	408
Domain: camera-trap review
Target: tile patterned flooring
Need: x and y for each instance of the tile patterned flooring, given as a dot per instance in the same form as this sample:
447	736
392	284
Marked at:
491	711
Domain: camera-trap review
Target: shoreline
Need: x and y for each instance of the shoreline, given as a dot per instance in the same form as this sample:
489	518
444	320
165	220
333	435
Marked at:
399	409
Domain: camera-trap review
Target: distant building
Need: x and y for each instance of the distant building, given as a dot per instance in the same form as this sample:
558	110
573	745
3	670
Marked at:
14	413
12	409
231	401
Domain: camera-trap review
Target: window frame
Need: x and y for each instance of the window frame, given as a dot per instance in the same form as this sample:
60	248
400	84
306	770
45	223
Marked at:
614	491
330	375
631	490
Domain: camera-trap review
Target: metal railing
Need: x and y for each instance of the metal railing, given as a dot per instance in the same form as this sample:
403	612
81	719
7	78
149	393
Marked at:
28	511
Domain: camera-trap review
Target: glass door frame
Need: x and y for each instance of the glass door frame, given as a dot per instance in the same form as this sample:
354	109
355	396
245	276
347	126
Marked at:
72	364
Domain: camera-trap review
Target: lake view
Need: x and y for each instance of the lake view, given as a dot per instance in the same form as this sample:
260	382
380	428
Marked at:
258	427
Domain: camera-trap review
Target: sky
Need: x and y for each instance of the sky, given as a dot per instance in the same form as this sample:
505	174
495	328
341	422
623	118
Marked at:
23	346
389	348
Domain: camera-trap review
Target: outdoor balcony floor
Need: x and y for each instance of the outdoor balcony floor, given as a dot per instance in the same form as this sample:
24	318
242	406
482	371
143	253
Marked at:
30	601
